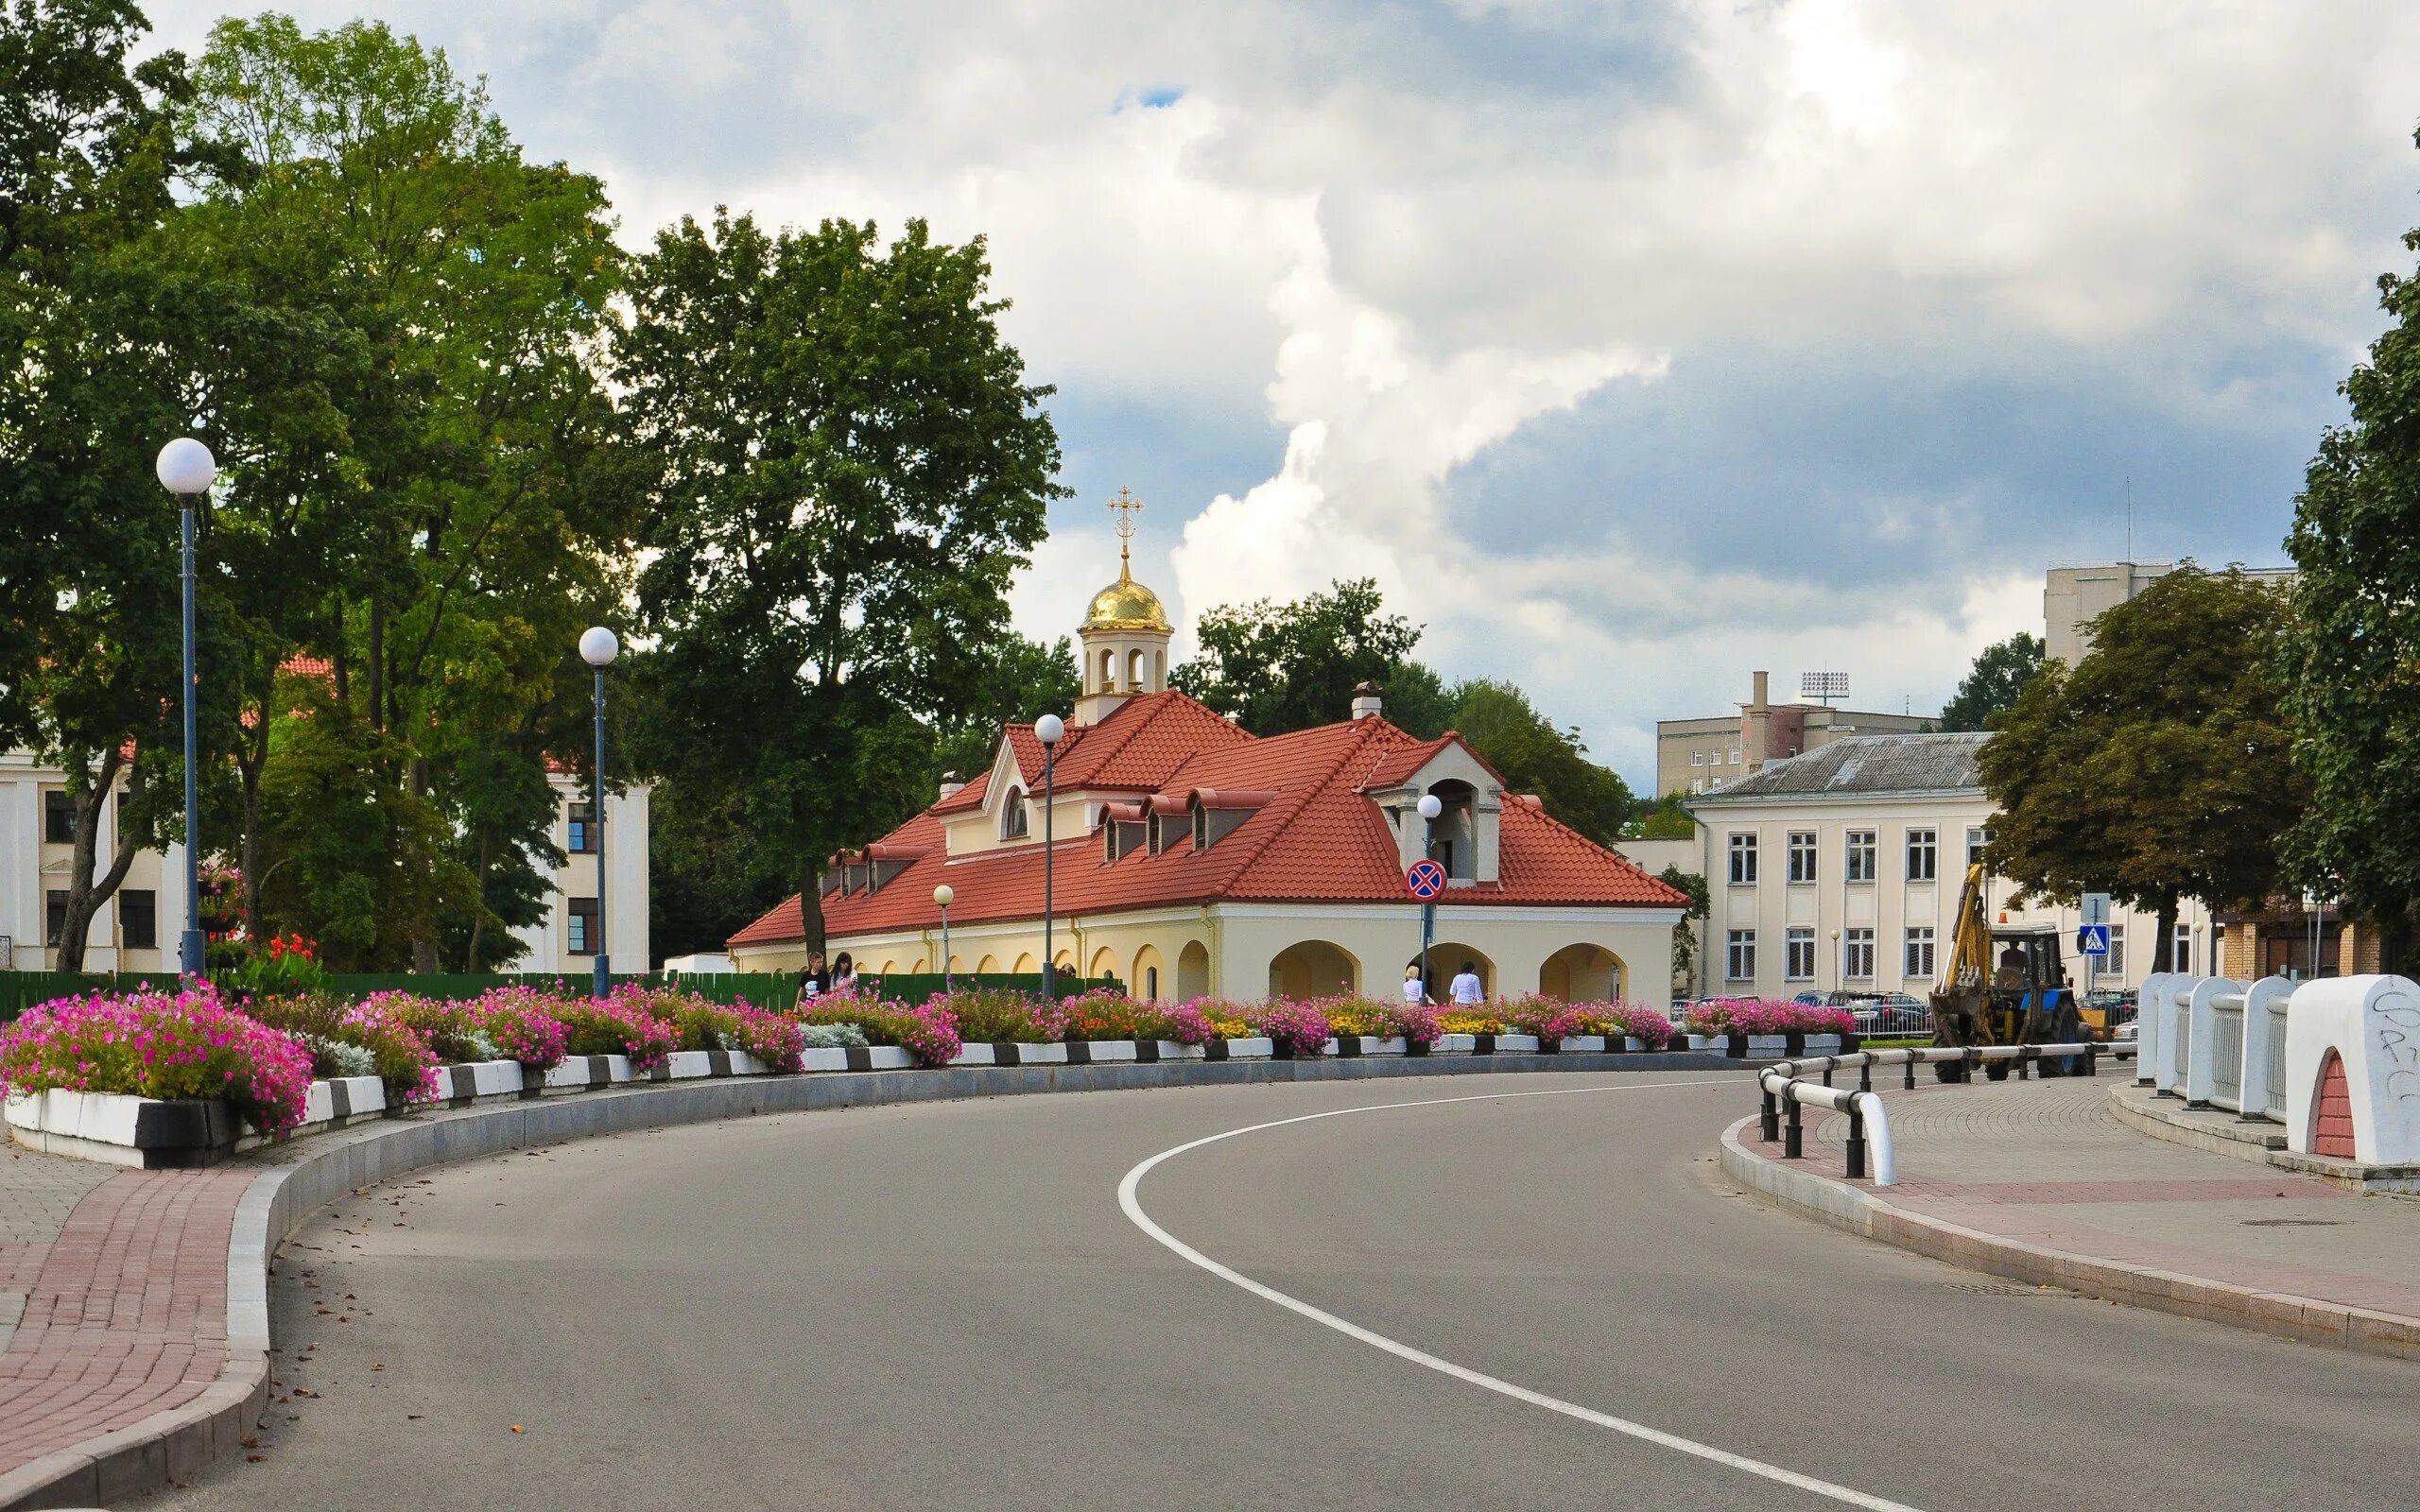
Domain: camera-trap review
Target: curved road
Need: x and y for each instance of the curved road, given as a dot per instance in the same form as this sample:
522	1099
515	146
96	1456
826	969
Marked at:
944	1306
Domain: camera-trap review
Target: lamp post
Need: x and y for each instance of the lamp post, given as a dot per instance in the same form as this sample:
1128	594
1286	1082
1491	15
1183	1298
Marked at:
1430	806
597	647
1049	729
187	470
941	895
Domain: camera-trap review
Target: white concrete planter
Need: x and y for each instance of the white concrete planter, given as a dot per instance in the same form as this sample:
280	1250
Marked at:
860	1058
478	1078
1173	1050
686	1065
1516	1044
343	1098
973	1054
1823	1045
1454	1044
580	1073
1042	1054
1768	1046
1099	1051
145	1132
1259	1047
1366	1045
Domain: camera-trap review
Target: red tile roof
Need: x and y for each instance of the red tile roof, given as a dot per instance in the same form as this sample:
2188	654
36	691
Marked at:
1316	839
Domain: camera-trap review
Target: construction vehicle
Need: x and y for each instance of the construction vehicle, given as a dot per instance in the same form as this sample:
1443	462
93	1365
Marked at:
2004	985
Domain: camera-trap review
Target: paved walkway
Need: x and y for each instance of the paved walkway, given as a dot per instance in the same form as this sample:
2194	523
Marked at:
2045	1162
113	1285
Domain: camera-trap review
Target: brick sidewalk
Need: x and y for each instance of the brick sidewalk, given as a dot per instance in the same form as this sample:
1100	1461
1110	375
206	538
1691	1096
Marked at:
2047	1163
123	1280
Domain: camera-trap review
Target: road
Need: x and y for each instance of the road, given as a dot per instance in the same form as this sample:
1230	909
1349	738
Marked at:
945	1306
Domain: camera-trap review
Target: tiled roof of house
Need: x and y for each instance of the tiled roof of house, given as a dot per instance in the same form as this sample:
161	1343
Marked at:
1317	838
1865	763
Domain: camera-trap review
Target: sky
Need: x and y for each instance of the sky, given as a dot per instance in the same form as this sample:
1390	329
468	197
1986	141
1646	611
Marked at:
1630	346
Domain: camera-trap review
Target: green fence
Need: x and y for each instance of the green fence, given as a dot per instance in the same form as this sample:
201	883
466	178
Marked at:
20	991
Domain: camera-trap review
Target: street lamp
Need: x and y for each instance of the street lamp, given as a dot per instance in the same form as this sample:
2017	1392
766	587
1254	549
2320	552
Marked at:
1430	806
1049	729
941	895
187	470
597	647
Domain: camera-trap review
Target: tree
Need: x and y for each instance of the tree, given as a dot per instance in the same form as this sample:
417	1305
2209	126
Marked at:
1278	667
1684	940
844	465
1663	818
2351	644
1990	689
1533	756
2159	768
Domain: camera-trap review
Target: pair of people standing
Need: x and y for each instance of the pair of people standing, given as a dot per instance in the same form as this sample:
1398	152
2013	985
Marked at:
841	977
1464	991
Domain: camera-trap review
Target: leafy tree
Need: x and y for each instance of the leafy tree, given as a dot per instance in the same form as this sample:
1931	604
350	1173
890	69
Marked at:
2160	766
1278	667
1663	818
1418	700
844	465
1684	940
1534	756
2351	646
1990	689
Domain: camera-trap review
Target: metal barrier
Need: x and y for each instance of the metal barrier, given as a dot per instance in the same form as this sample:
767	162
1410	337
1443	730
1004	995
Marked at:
2226	1054
1893	1024
2272	1017
1784	1093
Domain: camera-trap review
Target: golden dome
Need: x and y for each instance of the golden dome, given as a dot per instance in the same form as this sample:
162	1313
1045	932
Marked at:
1126	605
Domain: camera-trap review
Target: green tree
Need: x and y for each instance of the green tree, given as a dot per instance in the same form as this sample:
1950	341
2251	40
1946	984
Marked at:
1684	940
2159	768
1278	667
844	465
1418	700
1663	818
1533	756
2350	655
1990	689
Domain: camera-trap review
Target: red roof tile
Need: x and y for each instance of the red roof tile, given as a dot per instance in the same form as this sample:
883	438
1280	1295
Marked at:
1316	839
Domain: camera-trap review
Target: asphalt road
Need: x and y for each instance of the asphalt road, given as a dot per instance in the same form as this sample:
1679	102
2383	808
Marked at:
944	1306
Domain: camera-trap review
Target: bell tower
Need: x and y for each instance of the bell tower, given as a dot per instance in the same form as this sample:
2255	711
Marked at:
1125	633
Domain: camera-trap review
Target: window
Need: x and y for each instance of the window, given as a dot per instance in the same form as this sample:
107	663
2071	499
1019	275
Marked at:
1740	960
1860	844
54	918
1014	824
1152	984
1858	962
1697	758
1801	855
1798	958
1735	756
1922	846
58	819
1919	952
1743	859
584	833
2115	963
1978	836
587	935
2182	959
138	918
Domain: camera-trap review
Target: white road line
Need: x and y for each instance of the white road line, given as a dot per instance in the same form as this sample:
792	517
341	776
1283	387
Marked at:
1127	1200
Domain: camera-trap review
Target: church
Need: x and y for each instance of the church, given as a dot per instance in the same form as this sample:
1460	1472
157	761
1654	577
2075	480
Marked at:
1190	859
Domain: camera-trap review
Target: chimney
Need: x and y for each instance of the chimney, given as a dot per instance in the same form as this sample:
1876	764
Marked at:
950	785
1755	726
1365	700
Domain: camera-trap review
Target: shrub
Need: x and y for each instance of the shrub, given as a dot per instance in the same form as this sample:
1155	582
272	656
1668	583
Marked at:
1415	1022
283	966
451	1030
830	1036
1463	1021
159	1044
1299	1029
996	1013
331	1059
356	1039
615	1026
1723	1016
1106	1013
770	1037
523	1025
928	1032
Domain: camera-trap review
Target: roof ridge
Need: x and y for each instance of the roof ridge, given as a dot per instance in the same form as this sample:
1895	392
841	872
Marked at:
1540	812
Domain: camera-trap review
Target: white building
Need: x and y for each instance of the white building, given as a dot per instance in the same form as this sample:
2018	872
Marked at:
1841	868
136	928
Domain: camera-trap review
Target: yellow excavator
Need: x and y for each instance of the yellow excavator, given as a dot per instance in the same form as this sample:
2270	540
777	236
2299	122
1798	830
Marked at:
2005	986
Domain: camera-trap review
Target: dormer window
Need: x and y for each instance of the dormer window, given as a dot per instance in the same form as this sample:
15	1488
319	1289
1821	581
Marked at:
1124	829
1015	824
1170	818
1217	813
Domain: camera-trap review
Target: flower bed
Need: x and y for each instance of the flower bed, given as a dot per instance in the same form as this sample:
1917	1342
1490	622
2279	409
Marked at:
1761	1016
161	1045
928	1030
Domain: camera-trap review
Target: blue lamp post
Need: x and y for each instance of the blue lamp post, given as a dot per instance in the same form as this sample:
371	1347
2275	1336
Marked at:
1049	729
597	647
1430	806
186	469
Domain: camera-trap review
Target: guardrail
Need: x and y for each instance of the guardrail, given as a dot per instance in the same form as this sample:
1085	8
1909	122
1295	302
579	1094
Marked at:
1784	1093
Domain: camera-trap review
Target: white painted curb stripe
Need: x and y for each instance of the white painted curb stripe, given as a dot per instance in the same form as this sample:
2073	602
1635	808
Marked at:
1134	1209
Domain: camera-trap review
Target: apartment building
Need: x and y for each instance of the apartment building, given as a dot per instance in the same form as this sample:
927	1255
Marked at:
136	928
2076	594
1695	756
1839	868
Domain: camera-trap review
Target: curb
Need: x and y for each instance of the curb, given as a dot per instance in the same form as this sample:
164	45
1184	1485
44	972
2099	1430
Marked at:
2262	1144
2303	1319
175	1442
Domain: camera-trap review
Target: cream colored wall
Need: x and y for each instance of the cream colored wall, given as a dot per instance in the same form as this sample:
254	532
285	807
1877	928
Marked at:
31	866
1888	905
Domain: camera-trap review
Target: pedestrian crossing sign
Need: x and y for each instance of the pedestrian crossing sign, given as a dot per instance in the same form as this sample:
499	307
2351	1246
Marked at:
2093	939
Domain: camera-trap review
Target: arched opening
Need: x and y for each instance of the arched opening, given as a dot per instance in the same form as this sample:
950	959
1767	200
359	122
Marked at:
1134	671
1445	960
1159	670
1015	825
920	969
988	964
1026	965
1107	681
1581	974
889	965
2332	1111
1146	982
1192	972
1104	963
1455	836
1313	969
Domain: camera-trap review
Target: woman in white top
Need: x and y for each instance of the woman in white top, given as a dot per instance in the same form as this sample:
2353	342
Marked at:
1465	989
1414	989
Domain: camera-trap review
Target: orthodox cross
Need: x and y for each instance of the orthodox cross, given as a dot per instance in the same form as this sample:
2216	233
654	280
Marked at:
1126	504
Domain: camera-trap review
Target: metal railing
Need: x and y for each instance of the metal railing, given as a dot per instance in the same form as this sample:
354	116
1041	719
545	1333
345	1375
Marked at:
1784	1093
2272	1101
1895	1023
2226	1056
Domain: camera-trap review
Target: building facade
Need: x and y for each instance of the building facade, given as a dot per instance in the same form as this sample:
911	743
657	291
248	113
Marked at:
1187	858
2076	594
1841	870
567	938
1695	756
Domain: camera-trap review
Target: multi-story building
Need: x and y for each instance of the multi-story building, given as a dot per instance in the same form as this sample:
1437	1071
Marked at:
1700	755
1839	868
2076	594
136	928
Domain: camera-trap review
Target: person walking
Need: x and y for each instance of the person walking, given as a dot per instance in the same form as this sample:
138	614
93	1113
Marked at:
1465	989
1414	989
815	981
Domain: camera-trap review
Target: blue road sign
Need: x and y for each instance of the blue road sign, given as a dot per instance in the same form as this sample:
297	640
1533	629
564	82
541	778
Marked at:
1425	880
2093	939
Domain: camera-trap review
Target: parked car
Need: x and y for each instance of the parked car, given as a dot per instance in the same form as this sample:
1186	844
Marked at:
1892	1015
